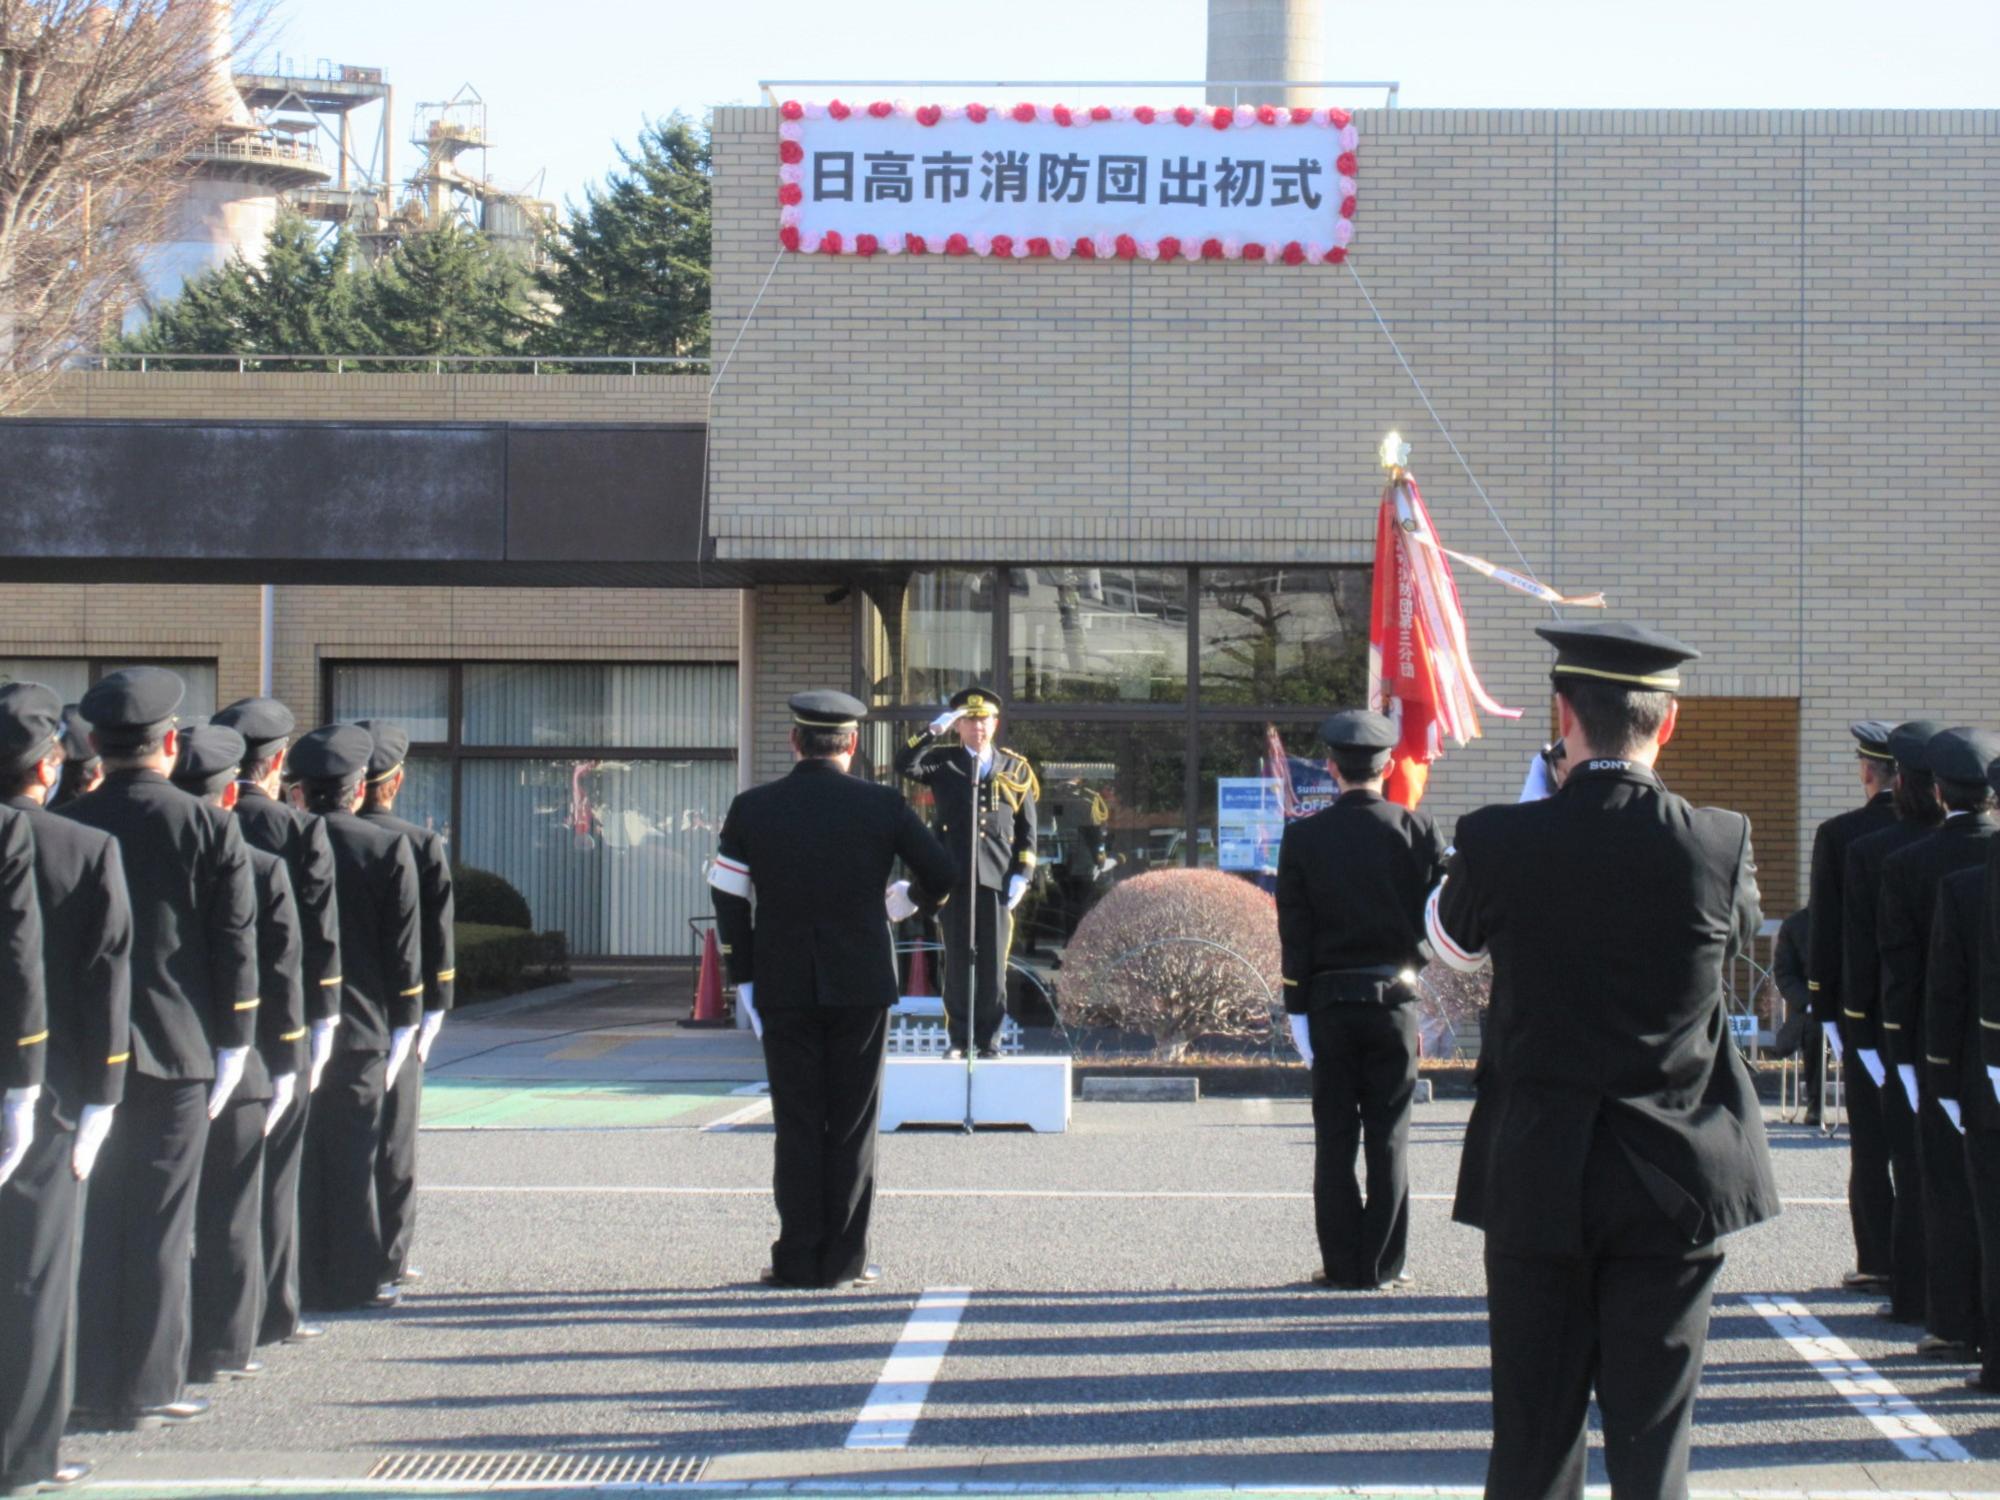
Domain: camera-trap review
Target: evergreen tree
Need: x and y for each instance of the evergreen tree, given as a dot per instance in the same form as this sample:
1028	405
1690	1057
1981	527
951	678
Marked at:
629	273
447	290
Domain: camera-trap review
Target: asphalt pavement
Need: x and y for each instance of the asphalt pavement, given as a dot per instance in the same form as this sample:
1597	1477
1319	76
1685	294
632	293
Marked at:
1120	1309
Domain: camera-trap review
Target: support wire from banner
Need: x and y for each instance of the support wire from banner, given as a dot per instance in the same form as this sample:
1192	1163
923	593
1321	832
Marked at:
1424	396
708	410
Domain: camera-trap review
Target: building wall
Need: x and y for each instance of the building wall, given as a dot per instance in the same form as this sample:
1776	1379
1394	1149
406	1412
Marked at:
800	641
390	397
1731	367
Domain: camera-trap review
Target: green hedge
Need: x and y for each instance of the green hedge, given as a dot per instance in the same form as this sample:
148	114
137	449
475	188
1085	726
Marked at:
494	960
481	898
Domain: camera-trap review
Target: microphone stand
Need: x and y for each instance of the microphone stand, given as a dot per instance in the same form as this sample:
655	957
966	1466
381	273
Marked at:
972	831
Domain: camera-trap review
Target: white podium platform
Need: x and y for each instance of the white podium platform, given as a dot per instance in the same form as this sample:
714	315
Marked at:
1030	1091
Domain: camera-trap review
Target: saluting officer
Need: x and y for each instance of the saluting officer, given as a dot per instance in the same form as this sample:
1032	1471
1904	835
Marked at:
396	1168
1617	1134
1957	760
273	825
1917	813
382	994
1352	880
228	1305
1871	1199
85	958
976	783
194	1016
814	965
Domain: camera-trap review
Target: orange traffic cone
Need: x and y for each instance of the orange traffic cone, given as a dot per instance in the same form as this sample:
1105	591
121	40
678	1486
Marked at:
919	982
708	987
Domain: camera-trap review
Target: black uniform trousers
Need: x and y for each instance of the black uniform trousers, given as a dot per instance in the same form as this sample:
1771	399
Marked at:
40	1209
1871	1196
1982	1168
995	931
138	1238
1908	1302
825	1066
1627	1317
340	1235
229	1241
284	1154
1364	1073
396	1167
1951	1231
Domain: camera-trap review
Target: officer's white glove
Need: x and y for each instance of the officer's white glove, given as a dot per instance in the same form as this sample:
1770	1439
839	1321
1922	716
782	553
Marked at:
229	1064
1017	887
946	719
897	899
322	1049
1993	1082
284	1088
401	1040
1908	1073
1832	1030
1872	1061
1953	1113
749	1009
427	1038
1302	1037
17	1127
92	1126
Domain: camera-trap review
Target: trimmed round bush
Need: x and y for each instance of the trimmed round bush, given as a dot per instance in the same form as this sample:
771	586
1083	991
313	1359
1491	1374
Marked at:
481	898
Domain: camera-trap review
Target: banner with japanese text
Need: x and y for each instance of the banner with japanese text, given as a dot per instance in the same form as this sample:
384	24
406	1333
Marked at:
1258	183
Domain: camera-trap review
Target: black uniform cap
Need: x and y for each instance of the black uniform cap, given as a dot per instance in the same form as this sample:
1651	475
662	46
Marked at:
210	757
1961	753
1871	739
31	724
1359	731
76	735
978	702
334	752
128	707
1621	652
824	709
392	746
1908	739
261	722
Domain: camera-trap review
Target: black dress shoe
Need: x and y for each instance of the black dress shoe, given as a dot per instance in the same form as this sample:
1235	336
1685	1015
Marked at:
955	1054
989	1053
771	1278
305	1333
173	1414
1396	1283
250	1369
69	1474
870	1274
385	1298
1888	1310
408	1276
1954	1351
1865	1281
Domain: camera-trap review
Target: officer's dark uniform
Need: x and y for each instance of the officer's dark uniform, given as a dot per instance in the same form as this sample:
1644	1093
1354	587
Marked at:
85	958
1788	973
229	1277
1910	879
1352	880
1616	1134
297	837
82	768
194	994
1871	1199
381	997
817	848
1007	792
1957	1074
396	1169
1861	1028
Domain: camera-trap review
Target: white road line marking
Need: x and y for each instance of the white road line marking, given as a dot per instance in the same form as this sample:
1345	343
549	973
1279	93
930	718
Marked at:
743	1116
893	1407
1893	1414
655	1190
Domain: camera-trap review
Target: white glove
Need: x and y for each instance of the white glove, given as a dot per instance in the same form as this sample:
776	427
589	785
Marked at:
284	1088
17	1127
897	899
1302	1037
1908	1073
229	1064
946	719
749	1009
427	1038
401	1040
322	1049
1953	1113
1872	1061
1017	887
92	1126
1832	1030
1993	1082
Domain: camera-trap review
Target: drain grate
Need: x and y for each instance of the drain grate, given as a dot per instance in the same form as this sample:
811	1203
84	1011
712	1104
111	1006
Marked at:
541	1468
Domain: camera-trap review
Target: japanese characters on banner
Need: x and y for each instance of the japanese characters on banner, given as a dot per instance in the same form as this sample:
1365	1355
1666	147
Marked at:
1256	182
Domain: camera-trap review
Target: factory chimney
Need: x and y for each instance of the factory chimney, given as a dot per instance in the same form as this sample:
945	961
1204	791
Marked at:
1263	41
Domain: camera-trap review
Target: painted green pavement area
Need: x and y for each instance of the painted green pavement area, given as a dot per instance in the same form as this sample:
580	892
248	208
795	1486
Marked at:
487	1104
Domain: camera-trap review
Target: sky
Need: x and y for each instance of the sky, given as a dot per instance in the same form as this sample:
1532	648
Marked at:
565	83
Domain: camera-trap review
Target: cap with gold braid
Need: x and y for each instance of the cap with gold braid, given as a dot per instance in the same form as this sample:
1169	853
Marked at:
824	709
977	702
1871	740
1620	652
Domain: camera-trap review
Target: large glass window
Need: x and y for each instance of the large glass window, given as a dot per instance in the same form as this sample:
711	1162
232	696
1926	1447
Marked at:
416	696
925	634
609	704
1255	778
72	676
1277	635
1098	635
